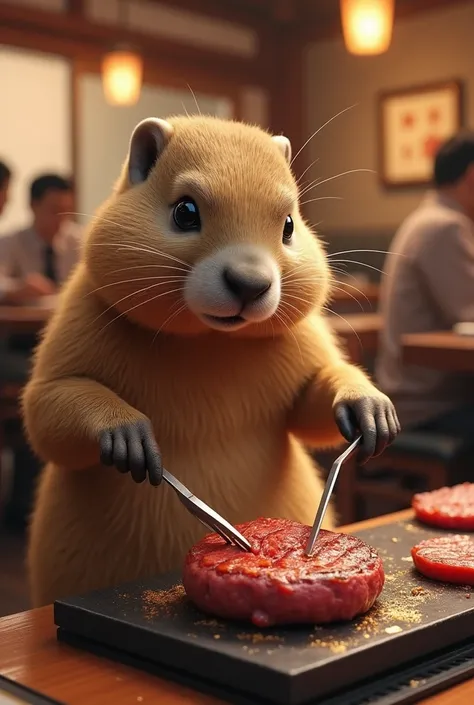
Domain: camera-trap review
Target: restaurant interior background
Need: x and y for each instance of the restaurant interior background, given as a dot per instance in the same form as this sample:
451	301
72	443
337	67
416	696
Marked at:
283	64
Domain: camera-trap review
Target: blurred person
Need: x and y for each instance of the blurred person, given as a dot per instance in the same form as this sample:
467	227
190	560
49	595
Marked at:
36	260
429	286
33	264
5	178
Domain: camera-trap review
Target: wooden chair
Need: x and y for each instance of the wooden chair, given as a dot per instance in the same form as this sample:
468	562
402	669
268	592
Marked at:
9	411
416	462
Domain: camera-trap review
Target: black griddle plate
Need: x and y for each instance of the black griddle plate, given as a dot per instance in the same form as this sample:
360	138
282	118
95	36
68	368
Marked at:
154	622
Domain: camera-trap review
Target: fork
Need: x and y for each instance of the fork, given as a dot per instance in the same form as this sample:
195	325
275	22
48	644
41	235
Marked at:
323	505
205	514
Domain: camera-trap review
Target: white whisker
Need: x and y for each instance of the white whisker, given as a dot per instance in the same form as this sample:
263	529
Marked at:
169	280
195	100
168	320
338	176
377	252
146	250
321	128
279	316
322	198
361	264
150	266
142	303
307	169
333	313
128	296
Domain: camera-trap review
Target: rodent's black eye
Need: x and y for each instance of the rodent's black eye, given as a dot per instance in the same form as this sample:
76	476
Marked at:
186	215
288	230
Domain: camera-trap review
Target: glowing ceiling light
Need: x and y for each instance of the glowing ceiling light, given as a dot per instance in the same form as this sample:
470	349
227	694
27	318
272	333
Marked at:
122	71
367	25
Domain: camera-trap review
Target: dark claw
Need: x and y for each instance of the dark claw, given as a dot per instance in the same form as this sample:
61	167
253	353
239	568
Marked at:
132	448
374	417
342	413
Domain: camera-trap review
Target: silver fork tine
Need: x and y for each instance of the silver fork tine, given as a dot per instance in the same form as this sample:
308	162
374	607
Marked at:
205	514
326	496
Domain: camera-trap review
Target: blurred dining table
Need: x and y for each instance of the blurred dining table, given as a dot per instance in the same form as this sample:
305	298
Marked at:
365	292
23	319
358	331
443	350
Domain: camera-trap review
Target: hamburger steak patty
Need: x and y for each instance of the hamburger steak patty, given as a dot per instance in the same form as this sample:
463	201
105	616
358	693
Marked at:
448	507
277	583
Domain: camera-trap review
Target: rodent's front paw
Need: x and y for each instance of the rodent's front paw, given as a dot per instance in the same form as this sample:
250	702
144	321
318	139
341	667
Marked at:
372	415
132	448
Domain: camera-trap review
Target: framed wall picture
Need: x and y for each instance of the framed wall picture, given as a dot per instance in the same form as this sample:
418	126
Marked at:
412	124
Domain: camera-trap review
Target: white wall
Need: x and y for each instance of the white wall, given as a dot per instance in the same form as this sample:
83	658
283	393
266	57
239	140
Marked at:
35	123
105	132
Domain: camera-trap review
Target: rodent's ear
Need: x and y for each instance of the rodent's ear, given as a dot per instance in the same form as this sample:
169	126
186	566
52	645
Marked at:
149	138
284	146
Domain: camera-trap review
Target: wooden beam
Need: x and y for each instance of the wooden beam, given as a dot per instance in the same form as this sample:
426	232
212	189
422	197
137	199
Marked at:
246	12
284	61
76	7
75	36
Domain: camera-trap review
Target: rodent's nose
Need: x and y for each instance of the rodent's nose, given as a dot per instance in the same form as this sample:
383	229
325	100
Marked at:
247	282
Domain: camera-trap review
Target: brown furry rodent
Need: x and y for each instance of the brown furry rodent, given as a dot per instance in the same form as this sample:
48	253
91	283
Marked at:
194	318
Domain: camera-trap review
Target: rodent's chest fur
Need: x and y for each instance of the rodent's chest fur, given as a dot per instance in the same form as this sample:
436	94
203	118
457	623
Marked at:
196	388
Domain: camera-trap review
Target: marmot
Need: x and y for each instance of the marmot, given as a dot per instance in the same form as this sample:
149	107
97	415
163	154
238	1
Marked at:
193	331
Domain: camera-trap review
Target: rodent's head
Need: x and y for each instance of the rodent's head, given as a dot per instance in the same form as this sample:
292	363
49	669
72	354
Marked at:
204	232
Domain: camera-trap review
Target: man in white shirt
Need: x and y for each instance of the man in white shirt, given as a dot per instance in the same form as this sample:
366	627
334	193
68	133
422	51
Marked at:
429	286
34	262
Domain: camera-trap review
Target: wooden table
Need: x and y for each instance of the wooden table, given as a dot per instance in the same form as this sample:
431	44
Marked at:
359	331
30	655
368	293
444	350
23	319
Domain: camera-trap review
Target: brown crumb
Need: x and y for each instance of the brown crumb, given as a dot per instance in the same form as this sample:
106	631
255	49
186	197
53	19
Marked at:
208	623
419	590
217	636
395	540
414	683
258	638
385	614
162	602
468	596
336	647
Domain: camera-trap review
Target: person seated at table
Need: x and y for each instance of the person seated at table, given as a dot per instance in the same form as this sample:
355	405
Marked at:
33	264
5	178
429	286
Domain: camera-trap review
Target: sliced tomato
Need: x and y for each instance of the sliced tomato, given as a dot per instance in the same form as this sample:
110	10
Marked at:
448	507
449	559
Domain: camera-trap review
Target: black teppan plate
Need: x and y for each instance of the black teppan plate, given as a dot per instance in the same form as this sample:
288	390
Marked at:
153	623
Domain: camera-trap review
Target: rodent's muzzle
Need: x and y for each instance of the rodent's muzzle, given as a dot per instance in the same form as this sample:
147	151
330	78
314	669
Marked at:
247	282
236	286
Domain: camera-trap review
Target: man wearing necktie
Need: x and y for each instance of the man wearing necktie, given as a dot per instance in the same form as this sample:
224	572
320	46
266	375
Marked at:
34	262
